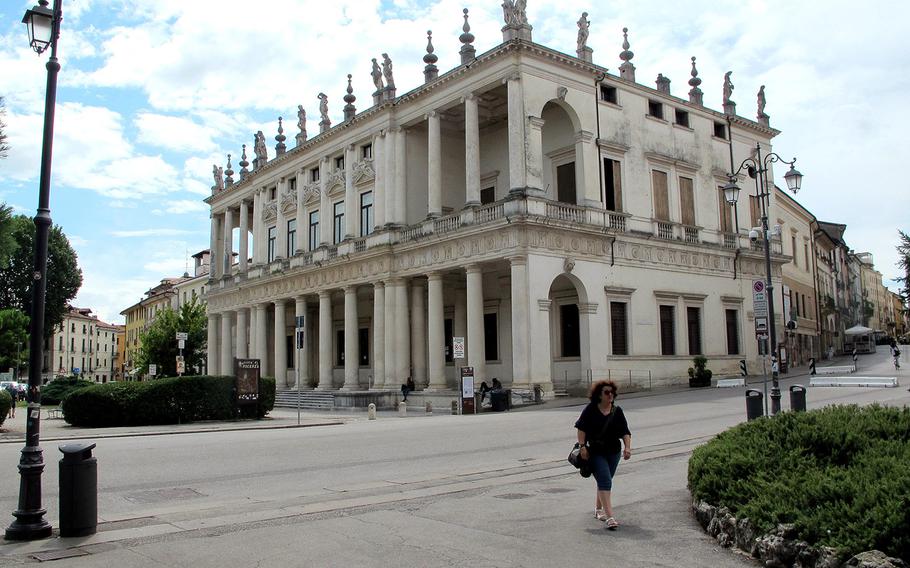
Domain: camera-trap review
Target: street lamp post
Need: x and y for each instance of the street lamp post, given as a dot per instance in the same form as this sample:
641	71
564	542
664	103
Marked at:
30	524
758	168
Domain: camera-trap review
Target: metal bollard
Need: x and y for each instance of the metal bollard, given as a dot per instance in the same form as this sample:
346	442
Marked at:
812	365
798	398
78	490
538	394
454	407
754	399
371	411
742	367
402	408
429	407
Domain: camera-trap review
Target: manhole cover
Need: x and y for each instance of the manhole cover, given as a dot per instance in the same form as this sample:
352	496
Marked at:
512	496
557	490
162	495
59	554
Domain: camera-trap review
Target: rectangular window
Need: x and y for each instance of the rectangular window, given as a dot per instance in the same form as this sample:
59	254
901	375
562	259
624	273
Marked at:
793	247
339	163
61	343
449	334
732	332
565	183
273	233
755	210
72	343
806	256
682	118
314	174
656	109
272	193
720	130
366	213
608	94
487	196
292	184
338	223
661	198
314	230
726	212
491	337
569	332
292	240
687	201
339	348
693	324
619	326
366	151
667	330
363	339
612	185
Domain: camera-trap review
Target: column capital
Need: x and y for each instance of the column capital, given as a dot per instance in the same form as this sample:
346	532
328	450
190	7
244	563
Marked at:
349	289
432	114
379	284
472	268
515	76
435	276
324	294
469	96
280	302
537	122
518	260
544	305
584	136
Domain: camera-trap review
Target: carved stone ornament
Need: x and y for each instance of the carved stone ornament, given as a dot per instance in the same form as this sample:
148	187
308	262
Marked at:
561	93
363	170
568	265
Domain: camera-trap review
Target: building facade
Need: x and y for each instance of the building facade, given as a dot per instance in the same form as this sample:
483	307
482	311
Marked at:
84	346
566	222
141	315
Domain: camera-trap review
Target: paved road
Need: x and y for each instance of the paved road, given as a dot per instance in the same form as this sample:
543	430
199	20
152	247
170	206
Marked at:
488	490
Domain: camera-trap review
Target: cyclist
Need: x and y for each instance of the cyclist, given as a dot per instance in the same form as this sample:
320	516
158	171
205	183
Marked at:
895	354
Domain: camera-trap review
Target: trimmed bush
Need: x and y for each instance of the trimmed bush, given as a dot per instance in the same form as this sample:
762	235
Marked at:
6	401
700	374
840	475
173	400
55	391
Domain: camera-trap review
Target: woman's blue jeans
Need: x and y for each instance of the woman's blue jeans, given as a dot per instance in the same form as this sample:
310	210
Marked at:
603	467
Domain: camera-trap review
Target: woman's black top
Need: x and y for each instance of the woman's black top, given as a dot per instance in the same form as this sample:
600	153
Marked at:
591	422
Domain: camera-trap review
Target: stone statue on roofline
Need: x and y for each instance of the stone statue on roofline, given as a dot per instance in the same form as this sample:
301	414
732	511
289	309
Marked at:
218	174
301	125
763	117
376	73
583	25
325	123
728	87
387	72
513	12
262	153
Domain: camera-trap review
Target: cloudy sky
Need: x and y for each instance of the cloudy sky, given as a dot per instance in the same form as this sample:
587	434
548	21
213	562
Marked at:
153	92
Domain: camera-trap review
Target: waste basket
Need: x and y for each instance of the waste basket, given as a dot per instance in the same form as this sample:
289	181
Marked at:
500	399
754	400
538	394
78	490
798	398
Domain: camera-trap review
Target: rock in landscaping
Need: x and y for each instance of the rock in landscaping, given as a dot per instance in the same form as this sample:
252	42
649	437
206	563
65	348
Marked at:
874	559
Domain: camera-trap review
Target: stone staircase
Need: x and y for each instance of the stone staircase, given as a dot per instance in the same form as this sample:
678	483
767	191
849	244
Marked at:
309	399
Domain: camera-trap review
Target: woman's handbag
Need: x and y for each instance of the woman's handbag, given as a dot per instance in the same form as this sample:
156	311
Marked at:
576	460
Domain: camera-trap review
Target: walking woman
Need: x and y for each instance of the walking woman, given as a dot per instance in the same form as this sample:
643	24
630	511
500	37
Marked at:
601	426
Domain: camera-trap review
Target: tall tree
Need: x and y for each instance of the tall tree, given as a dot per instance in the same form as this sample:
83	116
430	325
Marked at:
7	242
13	339
159	341
4	146
903	261
63	274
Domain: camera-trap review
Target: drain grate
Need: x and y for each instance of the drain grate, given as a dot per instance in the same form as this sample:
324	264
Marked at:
512	496
163	495
59	554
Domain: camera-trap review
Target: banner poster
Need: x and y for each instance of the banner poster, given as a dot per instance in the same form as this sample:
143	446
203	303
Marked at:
247	373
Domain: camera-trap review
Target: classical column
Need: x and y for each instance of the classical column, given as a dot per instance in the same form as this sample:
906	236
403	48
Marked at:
325	340
262	339
436	332
520	339
281	344
587	172
251	335
477	350
379	191
281	222
325	204
402	330
242	352
418	335
434	165
228	249
257	226
401	211
471	150
211	356
302	359
389	174
226	366
244	235
517	166
302	224
392	380
351	340
460	324
215	264
350	199
535	153
378	334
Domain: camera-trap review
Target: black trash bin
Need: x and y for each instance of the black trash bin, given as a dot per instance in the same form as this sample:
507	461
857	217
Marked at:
798	398
500	399
754	400
78	490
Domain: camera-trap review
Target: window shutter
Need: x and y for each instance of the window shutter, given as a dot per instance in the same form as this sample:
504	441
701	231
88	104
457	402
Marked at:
687	201
693	319
667	331
726	212
732	333
619	328
617	185
661	199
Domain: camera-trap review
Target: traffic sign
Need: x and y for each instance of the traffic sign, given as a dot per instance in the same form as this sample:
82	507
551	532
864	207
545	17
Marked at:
153	369
458	347
181	367
759	300
182	335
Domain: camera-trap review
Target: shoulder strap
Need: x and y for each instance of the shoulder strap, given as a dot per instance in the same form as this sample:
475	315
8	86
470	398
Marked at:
603	431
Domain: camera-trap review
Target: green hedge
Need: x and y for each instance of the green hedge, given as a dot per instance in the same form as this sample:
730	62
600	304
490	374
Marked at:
172	400
55	391
5	402
840	474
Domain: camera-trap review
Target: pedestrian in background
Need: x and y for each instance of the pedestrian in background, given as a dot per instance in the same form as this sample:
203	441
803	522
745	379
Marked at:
407	388
601	426
14	396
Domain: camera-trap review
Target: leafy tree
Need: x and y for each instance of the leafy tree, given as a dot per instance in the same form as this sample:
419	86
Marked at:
13	338
7	242
159	343
903	262
63	274
4	147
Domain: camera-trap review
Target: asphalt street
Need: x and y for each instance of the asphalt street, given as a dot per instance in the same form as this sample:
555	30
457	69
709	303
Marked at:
437	490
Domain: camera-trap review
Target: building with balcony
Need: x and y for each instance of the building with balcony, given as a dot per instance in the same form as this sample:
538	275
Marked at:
84	346
141	315
567	222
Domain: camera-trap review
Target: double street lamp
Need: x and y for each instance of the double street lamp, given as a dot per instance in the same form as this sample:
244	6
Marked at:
758	168
30	524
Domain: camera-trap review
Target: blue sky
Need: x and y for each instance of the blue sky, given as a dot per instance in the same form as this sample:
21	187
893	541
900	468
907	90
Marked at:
153	92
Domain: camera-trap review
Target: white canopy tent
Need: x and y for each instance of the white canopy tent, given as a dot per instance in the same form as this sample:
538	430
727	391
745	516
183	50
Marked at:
860	338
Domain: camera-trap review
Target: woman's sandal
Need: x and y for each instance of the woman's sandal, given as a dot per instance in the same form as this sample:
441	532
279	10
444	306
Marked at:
612	524
600	515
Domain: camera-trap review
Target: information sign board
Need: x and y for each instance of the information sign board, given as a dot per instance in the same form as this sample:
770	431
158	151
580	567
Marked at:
247	373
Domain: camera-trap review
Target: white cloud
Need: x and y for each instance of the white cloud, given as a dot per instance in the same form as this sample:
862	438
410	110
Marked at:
150	233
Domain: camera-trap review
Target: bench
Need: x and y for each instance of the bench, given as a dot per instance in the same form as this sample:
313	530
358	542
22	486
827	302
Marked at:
721	383
887	382
53	414
835	370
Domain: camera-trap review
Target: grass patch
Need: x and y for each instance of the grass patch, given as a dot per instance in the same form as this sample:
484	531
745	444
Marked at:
840	475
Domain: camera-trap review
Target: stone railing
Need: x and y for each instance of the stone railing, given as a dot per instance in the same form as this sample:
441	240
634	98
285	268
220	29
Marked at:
690	234
664	230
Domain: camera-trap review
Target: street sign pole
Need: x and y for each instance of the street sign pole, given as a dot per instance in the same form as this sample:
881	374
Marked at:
300	322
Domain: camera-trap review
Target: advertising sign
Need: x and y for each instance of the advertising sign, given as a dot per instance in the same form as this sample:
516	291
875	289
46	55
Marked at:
182	335
467	390
458	348
247	373
153	369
